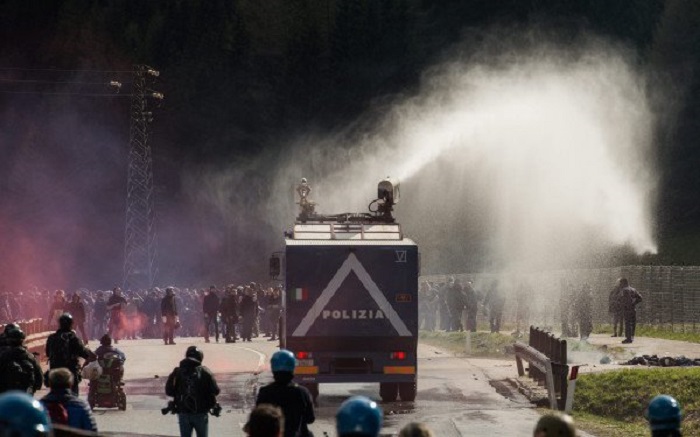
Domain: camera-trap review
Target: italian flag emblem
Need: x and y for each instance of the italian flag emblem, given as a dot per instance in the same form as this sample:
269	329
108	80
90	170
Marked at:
301	294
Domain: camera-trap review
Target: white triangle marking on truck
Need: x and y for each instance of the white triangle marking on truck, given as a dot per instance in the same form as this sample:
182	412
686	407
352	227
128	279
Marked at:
351	264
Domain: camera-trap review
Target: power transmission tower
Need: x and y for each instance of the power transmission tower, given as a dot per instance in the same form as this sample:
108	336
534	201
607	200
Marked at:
140	237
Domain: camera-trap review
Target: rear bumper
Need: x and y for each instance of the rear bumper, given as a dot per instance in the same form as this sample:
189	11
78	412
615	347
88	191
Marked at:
365	377
355	359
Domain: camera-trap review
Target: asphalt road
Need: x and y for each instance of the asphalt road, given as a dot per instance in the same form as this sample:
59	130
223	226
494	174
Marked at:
455	397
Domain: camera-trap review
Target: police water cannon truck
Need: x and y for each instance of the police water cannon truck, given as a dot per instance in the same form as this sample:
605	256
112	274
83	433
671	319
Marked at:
351	302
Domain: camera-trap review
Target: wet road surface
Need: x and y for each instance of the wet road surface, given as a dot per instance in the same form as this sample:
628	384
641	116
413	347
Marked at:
455	397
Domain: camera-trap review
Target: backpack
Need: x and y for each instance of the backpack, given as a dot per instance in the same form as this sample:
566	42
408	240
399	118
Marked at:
189	390
16	371
60	350
57	412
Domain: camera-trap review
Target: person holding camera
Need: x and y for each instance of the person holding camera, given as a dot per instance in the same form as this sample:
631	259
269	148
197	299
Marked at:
193	389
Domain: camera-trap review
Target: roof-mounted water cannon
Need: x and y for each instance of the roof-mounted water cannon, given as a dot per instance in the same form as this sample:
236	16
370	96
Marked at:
388	195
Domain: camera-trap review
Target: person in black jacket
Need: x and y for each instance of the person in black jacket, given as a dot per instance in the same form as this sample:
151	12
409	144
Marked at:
629	299
168	312
210	307
64	349
229	314
248	308
19	368
194	390
76	308
294	400
116	305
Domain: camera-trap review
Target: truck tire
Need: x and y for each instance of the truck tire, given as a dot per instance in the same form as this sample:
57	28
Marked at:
407	391
388	391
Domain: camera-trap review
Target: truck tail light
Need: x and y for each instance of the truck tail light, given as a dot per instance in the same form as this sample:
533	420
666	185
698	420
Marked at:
304	355
399	355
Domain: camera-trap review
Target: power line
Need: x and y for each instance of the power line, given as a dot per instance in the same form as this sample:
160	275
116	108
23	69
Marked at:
66	93
63	71
58	82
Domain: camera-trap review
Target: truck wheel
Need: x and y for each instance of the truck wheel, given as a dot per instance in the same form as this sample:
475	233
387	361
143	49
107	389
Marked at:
407	391
313	389
388	391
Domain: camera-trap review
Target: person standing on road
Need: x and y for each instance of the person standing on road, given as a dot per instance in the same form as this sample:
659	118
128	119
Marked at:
64	349
168	312
76	308
58	307
115	305
99	315
358	416
629	299
664	416
229	314
294	400
615	309
248	308
273	311
194	390
210	307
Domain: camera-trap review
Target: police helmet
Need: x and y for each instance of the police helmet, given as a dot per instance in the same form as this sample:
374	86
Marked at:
194	353
10	327
65	321
303	180
283	361
664	413
23	416
15	334
359	415
555	425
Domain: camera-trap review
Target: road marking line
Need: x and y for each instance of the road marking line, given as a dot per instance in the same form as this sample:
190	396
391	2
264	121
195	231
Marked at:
261	361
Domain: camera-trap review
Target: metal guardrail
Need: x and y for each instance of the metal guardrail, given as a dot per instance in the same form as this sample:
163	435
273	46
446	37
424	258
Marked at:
547	358
30	327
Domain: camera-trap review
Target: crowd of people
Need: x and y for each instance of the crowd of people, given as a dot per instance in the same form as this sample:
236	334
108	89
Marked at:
229	312
283	408
454	305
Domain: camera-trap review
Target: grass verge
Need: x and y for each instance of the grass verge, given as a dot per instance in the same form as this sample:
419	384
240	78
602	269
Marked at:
613	403
680	333
483	344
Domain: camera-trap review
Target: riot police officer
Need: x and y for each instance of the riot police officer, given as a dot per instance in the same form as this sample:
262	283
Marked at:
358	416
294	400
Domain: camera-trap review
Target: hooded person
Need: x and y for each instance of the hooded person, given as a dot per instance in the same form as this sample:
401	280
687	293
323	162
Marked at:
294	400
193	389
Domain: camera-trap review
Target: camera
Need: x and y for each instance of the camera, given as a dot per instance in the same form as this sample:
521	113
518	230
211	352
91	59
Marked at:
170	408
215	410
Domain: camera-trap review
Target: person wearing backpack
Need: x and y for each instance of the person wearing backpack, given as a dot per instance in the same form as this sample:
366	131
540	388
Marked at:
64	349
194	390
294	400
19	369
63	406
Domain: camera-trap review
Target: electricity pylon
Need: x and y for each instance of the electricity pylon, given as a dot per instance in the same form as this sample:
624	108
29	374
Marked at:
140	267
